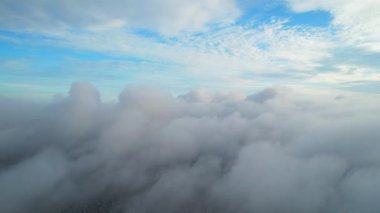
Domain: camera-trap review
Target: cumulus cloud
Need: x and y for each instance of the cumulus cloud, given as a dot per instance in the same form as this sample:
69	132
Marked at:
165	16
279	150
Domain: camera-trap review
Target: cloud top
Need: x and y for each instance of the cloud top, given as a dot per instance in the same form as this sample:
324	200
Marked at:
275	151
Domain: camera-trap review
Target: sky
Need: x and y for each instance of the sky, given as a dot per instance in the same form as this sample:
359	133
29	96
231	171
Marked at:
193	106
181	45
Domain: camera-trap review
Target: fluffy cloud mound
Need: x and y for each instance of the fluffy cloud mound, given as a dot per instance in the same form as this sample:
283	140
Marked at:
274	151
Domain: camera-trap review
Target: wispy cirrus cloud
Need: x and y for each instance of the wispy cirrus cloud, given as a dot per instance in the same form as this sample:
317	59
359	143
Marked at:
219	43
167	17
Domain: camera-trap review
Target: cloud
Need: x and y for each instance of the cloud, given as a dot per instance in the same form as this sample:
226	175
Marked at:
167	17
150	40
279	150
234	56
357	21
267	94
226	53
269	47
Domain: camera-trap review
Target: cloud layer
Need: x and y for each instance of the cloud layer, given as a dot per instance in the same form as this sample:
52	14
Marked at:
278	150
168	17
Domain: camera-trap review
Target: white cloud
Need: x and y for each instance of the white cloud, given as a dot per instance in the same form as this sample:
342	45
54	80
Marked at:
357	21
224	54
269	47
280	150
169	17
346	74
231	55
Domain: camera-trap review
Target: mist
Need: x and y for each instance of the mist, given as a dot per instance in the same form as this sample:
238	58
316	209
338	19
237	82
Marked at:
278	150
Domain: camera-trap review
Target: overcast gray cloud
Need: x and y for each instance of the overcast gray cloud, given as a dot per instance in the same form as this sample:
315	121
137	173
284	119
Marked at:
275	151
